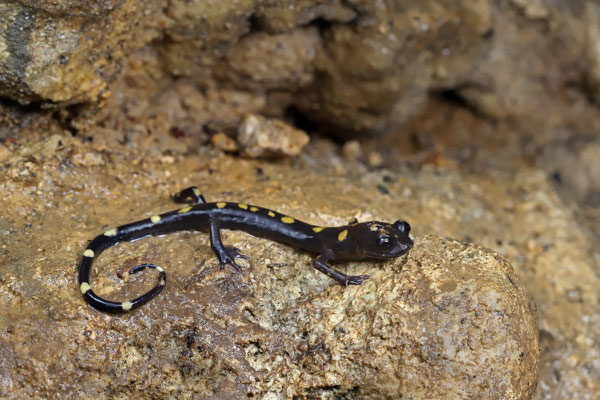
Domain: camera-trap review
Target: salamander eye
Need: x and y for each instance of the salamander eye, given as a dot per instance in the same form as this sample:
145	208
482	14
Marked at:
402	226
384	241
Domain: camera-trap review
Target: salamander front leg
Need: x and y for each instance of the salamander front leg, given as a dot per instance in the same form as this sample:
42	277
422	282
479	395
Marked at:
225	254
320	263
191	194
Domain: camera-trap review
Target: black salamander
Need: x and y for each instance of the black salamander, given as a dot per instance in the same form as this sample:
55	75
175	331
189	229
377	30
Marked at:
367	240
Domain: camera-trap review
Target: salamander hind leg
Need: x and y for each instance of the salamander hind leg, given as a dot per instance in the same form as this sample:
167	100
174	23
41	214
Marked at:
189	195
225	254
320	264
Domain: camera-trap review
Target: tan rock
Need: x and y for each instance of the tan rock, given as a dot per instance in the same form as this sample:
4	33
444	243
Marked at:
448	310
262	137
222	141
452	321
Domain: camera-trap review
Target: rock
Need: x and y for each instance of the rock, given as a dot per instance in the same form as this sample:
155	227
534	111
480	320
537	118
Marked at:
369	66
374	159
448	310
352	150
64	52
450	322
381	70
577	167
222	141
592	49
197	34
262	137
265	62
507	79
284	15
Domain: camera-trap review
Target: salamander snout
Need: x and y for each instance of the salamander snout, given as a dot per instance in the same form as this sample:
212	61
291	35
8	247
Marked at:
402	243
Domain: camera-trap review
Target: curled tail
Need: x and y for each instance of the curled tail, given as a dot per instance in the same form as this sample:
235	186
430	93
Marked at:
155	225
93	250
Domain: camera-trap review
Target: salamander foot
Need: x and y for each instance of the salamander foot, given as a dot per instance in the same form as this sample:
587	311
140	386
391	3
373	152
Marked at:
356	279
229	255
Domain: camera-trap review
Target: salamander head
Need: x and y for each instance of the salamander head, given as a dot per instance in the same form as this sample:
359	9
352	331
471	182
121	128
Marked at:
383	240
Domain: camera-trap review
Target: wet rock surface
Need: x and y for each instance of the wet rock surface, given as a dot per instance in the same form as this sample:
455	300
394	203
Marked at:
450	310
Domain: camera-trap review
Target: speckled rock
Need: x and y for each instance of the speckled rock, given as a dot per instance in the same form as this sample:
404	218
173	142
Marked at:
65	173
63	52
354	66
267	62
280	16
447	323
197	34
380	70
263	137
450	310
578	167
223	142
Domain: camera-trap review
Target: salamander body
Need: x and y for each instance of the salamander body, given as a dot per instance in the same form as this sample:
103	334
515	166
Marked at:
367	240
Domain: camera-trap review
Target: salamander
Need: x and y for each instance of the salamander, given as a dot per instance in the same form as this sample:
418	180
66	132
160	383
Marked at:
367	240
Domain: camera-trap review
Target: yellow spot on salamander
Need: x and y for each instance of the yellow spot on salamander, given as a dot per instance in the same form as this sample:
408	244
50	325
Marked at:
318	229
343	235
221	205
373	227
271	214
196	192
155	219
243	206
111	232
89	253
254	209
287	220
126	305
84	287
184	210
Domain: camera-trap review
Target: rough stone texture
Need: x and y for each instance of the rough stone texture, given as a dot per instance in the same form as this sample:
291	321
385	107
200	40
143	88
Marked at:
223	142
280	329
354	66
529	71
278	16
59	187
60	53
579	167
198	33
262	137
267	62
495	90
556	257
381	68
452	310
